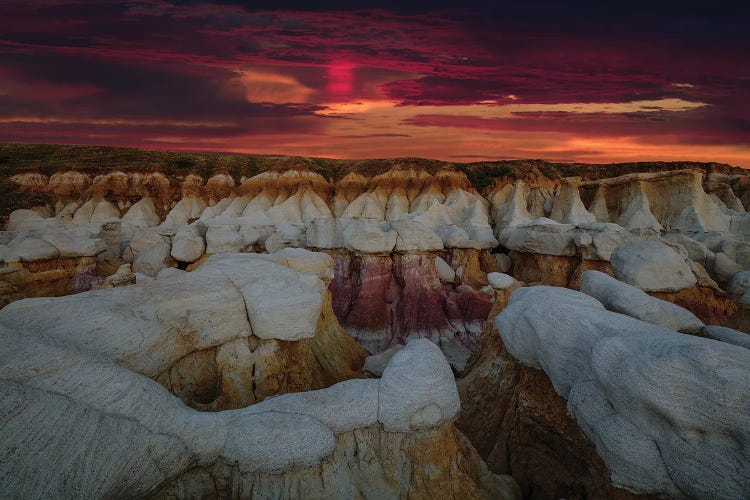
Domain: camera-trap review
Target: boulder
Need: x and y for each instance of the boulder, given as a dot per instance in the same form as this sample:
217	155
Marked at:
500	281
696	250
74	244
369	236
724	268
188	244
602	239
415	236
444	271
29	249
651	266
417	390
283	307
224	238
728	335
543	236
24	220
151	261
503	262
740	283
627	299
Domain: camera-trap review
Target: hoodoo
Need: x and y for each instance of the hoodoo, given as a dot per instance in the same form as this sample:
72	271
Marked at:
401	332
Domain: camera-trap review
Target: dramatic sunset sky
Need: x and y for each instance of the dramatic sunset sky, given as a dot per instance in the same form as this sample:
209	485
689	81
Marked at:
460	81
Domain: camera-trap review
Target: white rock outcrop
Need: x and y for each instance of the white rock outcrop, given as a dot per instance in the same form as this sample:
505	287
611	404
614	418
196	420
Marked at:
740	283
188	244
417	389
632	301
230	296
728	335
500	281
651	266
667	412
133	437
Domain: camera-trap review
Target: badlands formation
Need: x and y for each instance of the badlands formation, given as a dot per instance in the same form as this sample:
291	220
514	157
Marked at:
405	334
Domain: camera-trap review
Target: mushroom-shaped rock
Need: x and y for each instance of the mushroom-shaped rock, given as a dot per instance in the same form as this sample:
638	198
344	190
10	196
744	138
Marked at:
500	281
444	270
142	214
627	299
651	266
568	207
417	390
637	213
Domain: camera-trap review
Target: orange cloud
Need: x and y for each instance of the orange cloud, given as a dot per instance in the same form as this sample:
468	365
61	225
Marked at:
264	86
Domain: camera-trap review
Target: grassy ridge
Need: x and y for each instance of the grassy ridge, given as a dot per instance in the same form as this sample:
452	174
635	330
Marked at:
50	158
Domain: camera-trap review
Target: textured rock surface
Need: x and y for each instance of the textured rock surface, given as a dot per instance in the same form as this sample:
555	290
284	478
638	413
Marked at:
412	255
417	389
728	335
651	266
500	281
606	372
627	299
519	425
209	336
382	300
740	283
553	228
135	439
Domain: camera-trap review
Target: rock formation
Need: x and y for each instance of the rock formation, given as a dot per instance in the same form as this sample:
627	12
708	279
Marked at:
575	400
220	325
375	438
238	329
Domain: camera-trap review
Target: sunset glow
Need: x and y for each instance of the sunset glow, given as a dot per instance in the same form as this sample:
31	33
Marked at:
412	81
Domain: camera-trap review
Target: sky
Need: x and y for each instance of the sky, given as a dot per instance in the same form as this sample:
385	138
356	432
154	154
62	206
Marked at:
460	81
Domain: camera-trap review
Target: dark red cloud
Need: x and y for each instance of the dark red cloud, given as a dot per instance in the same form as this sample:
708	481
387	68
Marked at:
131	73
